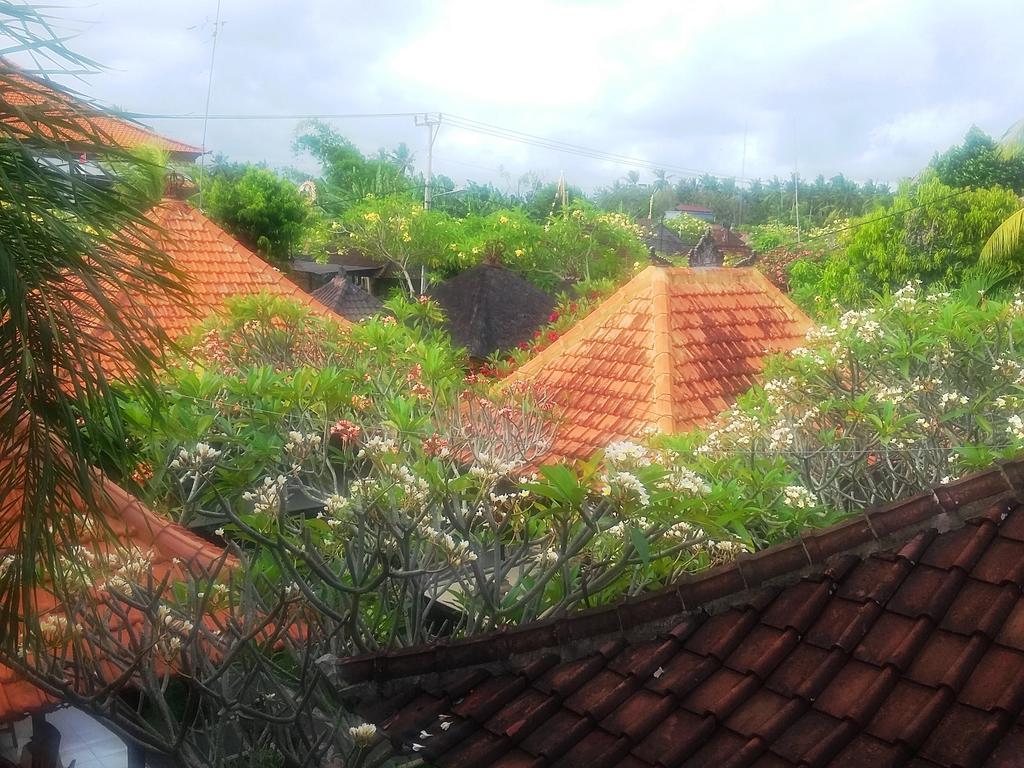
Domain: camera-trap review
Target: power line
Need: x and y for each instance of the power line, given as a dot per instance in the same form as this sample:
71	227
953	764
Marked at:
206	113
860	224
264	116
463	123
510	134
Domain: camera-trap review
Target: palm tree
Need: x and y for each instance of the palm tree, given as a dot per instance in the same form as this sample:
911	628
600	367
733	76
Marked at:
402	157
71	248
1008	237
661	182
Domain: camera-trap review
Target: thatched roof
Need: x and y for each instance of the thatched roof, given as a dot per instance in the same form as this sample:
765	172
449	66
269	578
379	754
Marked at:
490	308
348	300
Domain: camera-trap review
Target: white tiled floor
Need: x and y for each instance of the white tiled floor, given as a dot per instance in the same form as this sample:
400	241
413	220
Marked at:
82	739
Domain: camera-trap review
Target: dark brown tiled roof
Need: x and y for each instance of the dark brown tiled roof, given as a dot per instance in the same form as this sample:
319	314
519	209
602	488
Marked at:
348	300
896	638
490	309
664	240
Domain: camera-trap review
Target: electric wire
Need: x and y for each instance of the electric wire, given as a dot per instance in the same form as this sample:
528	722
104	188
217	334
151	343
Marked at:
461	123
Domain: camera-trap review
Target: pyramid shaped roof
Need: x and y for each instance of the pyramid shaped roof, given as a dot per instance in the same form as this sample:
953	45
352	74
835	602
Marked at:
490	308
669	350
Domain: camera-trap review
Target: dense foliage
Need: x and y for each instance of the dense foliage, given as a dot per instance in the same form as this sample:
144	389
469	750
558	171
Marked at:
778	248
932	232
912	392
688	227
578	244
414	477
756	202
347	175
979	162
261	209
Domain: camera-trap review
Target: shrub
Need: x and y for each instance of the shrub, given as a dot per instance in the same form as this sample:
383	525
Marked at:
688	227
579	244
264	211
931	233
888	400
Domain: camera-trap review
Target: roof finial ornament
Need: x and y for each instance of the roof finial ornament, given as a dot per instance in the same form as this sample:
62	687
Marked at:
705	253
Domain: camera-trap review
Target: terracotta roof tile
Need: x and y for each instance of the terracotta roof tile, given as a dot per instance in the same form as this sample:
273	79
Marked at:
215	267
669	350
905	650
131	523
81	125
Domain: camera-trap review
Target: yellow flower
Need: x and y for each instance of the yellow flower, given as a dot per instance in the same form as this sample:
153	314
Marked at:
503	219
520	252
372	216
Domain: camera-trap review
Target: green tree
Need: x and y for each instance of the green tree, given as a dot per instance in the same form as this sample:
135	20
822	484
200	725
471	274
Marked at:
346	175
932	232
1006	240
264	211
143	175
979	162
690	228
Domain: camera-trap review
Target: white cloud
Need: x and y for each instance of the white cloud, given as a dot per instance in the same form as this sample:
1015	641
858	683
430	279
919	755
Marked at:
869	88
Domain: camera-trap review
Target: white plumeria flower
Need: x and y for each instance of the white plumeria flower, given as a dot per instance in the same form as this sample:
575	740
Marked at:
362	735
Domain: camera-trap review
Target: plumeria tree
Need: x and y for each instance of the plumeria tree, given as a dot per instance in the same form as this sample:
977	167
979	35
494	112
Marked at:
888	400
399	495
690	228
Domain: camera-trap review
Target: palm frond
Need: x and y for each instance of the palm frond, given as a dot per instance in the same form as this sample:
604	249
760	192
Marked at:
73	248
1012	142
1006	242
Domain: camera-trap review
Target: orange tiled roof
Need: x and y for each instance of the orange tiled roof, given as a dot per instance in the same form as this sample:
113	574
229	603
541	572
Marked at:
669	350
215	265
130	523
80	125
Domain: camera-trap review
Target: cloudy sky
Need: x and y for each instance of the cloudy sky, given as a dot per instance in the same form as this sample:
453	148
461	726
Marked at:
871	89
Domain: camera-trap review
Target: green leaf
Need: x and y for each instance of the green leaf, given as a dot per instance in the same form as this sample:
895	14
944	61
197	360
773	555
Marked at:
640	544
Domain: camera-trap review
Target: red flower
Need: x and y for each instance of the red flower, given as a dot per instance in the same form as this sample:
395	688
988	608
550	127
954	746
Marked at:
346	430
553	336
574	307
553	317
524	346
536	334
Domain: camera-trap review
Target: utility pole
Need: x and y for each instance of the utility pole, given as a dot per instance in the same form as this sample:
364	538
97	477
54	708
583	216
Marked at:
743	173
432	122
796	201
